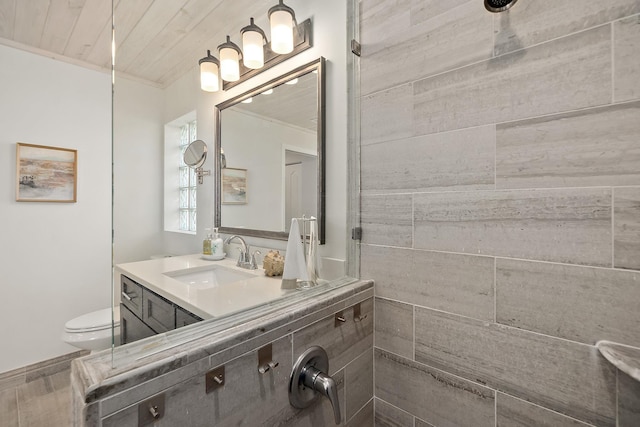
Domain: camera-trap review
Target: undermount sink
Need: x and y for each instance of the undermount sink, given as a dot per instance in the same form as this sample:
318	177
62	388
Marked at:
209	276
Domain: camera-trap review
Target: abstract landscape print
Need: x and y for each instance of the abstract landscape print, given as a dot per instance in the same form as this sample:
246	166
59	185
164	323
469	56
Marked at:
45	174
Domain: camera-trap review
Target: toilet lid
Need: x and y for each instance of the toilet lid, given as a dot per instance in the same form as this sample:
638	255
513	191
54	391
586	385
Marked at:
94	321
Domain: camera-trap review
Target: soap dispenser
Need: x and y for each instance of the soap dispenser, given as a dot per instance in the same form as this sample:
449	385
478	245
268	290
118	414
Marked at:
217	245
207	244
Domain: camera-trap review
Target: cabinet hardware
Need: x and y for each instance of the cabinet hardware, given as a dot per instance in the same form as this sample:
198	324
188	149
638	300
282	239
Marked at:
126	296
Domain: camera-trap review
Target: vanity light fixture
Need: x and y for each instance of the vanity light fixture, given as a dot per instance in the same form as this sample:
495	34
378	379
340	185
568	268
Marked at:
248	101
288	38
291	82
209	73
253	39
268	92
230	55
282	20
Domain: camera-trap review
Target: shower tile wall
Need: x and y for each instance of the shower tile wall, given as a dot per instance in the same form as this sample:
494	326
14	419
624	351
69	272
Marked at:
248	397
501	209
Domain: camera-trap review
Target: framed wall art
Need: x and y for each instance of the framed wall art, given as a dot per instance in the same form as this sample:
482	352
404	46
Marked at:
234	186
46	174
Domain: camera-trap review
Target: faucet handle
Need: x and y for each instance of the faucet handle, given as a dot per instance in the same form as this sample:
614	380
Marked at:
240	257
254	263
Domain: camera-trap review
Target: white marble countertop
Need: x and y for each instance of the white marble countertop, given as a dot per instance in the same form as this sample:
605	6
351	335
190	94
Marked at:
205	301
623	357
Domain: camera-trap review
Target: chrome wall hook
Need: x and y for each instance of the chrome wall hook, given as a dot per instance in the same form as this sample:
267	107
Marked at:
265	359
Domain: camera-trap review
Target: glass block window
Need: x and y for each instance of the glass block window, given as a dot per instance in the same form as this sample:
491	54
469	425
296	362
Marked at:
187	184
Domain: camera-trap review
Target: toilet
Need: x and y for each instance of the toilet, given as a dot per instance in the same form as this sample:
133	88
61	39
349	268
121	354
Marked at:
92	331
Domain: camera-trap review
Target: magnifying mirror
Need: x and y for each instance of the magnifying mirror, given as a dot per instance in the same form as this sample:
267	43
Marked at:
194	156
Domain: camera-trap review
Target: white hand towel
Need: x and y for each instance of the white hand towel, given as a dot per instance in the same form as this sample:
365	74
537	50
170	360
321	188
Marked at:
294	263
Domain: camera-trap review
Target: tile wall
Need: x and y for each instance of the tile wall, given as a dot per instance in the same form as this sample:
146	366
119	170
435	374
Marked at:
500	164
247	397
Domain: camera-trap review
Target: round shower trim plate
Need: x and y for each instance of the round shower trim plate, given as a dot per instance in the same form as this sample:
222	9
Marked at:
497	6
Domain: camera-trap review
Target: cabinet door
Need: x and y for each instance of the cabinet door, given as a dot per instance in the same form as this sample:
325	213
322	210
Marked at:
131	328
184	318
158	313
131	295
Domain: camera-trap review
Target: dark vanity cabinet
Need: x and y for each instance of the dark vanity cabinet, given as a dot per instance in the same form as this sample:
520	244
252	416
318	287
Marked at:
144	313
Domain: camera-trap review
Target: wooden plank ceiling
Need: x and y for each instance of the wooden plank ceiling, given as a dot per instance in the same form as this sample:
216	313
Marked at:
157	41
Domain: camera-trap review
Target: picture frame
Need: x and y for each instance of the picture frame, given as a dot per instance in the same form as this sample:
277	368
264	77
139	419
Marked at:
46	174
234	186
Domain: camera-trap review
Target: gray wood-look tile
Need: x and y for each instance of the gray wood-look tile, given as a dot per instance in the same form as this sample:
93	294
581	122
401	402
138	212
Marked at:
452	160
264	396
461	36
563	225
423	10
394	327
389	416
564	74
594	147
534	22
9	408
626	78
430	394
387	115
456	283
626	220
420	423
564	376
39	405
342	343
12	379
512	412
387	219
358	383
577	303
628	401
383	23
364	418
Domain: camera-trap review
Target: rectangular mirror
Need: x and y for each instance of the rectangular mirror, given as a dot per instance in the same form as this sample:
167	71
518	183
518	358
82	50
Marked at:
271	162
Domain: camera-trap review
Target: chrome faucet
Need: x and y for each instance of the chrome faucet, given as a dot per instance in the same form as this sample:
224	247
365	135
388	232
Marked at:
245	260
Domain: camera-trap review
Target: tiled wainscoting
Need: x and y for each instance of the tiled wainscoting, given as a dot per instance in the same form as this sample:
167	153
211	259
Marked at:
248	397
37	395
500	160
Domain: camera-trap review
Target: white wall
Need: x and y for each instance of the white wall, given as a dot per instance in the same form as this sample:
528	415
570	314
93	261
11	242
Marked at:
54	257
330	41
138	171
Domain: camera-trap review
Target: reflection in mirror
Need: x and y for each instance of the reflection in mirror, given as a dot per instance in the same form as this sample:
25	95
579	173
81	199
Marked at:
277	140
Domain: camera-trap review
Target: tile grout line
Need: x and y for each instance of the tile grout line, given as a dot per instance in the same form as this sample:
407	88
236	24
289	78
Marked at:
599	267
613	64
613	228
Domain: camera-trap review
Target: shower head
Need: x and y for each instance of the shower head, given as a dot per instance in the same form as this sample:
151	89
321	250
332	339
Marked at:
496	6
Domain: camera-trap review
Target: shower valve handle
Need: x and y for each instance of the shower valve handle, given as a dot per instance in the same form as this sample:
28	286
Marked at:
309	381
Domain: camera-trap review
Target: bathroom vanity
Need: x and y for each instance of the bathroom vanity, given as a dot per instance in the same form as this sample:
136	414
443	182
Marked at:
144	313
160	295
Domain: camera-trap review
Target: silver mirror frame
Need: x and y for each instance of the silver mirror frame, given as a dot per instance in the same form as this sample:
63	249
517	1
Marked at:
319	65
